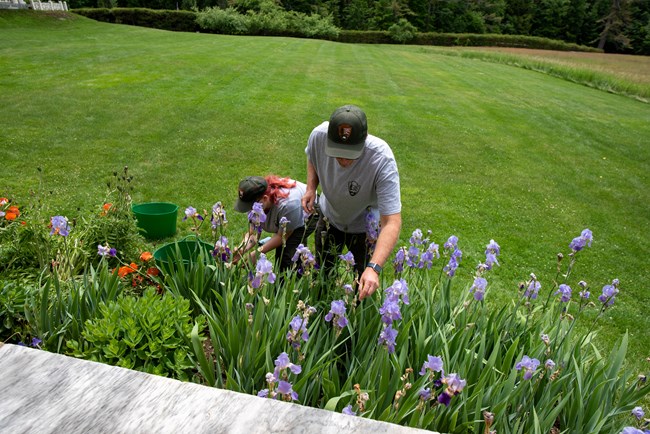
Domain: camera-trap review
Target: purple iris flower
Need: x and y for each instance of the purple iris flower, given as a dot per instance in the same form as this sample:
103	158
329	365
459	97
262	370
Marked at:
454	383
550	364
609	295
579	243
390	311
387	337
451	243
106	251
307	260
59	226
528	365
348	258
297	331
425	394
445	399
36	342
282	363
191	212
399	289
257	216
433	364
264	393
400	257
478	288
638	413
337	312
533	289
264	270
221	249
565	291
452	265
632	430
285	389
348	410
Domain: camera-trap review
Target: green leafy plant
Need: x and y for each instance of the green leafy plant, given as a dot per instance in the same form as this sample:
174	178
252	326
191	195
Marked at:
147	333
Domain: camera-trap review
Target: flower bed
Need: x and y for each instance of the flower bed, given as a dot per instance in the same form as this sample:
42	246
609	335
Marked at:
428	350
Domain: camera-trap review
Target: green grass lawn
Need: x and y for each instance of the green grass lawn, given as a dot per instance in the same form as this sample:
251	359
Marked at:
485	150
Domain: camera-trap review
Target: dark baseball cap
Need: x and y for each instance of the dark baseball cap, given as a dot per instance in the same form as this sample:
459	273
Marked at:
250	190
347	132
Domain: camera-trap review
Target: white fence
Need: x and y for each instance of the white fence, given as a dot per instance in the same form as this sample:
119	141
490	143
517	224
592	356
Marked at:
36	5
49	6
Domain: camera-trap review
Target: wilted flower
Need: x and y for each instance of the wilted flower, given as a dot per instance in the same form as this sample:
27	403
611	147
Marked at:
59	226
565	291
479	287
585	239
348	288
348	410
433	364
106	250
528	365
550	364
218	216
544	337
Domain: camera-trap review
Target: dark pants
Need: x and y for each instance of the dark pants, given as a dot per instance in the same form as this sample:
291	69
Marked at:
330	242
283	254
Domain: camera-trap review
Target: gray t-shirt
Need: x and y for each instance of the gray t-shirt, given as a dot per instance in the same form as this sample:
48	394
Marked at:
289	207
370	181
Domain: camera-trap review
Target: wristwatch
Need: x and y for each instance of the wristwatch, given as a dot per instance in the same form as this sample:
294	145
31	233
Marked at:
376	267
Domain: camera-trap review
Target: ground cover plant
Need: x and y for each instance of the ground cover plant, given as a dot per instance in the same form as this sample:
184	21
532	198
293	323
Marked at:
485	151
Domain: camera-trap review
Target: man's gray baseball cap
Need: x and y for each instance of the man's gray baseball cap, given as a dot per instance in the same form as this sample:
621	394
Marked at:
347	132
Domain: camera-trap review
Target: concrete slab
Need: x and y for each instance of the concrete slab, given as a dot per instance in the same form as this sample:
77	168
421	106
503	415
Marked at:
43	392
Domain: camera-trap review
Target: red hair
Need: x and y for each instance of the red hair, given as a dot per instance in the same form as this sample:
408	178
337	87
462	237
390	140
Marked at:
275	184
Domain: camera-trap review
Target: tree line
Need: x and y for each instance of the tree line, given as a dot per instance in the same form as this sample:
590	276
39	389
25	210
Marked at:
621	26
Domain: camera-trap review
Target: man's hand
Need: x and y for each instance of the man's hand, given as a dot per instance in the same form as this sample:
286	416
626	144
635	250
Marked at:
368	283
308	201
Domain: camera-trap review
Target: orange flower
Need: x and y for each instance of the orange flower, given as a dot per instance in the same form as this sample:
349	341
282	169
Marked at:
12	213
106	208
146	256
153	271
125	270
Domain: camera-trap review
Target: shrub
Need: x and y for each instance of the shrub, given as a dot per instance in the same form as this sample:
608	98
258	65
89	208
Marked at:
402	31
148	333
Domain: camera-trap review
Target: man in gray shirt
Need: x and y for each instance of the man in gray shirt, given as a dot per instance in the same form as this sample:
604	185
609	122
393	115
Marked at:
357	174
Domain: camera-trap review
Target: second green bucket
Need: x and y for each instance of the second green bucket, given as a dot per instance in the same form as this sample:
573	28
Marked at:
156	219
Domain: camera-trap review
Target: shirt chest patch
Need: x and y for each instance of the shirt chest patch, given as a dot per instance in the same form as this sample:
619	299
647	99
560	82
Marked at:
353	188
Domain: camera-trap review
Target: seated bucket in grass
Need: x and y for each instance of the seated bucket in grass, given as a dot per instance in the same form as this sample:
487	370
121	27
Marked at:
172	256
156	219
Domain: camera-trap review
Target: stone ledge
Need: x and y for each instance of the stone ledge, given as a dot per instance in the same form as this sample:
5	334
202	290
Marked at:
50	393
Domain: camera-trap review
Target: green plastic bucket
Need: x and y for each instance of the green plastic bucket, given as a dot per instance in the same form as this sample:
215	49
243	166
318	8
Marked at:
156	219
184	252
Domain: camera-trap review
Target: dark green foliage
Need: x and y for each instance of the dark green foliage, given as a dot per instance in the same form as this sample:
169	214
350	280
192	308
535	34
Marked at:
148	333
179	21
13	324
